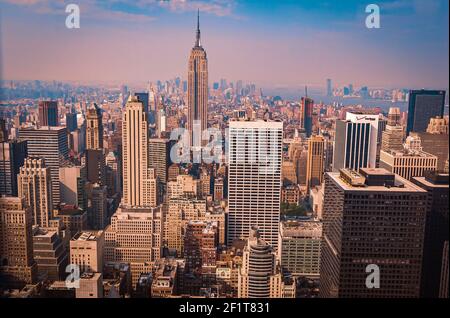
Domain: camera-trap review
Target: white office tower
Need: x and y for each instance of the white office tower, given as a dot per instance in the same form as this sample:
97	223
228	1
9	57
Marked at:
355	144
259	275
254	179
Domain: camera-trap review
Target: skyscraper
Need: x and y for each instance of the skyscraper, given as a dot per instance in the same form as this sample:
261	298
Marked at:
159	153
254	179
3	131
424	105
96	166
71	121
94	129
329	88
197	89
144	99
49	143
17	266
139	183
436	231
306	107
34	183
48	113
72	185
315	163
355	144
259	276
371	218
12	156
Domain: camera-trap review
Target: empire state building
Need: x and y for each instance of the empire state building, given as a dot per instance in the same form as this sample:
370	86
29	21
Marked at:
197	89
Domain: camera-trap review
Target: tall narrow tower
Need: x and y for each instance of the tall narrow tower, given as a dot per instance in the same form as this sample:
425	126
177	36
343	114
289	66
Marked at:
139	182
34	183
94	130
197	88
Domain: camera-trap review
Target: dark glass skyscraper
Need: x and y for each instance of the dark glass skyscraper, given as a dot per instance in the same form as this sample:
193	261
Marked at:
424	105
71	121
371	218
307	105
48	113
436	231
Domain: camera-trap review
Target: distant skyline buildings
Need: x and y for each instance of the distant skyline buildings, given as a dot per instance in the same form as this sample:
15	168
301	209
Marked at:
267	218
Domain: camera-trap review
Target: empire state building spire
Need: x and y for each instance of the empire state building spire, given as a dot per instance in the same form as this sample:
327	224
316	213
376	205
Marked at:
197	39
197	89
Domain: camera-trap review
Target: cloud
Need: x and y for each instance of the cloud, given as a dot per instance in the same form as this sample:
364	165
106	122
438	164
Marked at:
89	9
219	8
418	6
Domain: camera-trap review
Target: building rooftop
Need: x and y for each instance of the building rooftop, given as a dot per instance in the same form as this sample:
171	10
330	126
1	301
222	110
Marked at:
307	228
400	184
87	236
45	128
409	153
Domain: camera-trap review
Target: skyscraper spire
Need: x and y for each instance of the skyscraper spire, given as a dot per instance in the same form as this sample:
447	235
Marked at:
197	42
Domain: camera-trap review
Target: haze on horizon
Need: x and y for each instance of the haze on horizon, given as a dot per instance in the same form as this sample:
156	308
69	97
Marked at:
271	43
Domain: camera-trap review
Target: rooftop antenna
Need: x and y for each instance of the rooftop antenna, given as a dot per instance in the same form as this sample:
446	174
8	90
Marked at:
197	38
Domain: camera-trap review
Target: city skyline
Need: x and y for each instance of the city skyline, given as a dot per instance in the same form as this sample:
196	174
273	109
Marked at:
306	45
108	191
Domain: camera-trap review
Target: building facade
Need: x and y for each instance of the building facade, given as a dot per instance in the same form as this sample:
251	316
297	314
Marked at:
254	179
